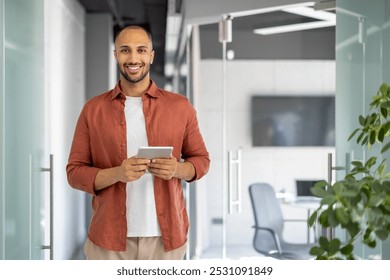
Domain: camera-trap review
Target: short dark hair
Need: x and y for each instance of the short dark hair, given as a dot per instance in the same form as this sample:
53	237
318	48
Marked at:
133	27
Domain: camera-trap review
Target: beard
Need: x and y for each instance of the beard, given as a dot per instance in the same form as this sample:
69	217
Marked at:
137	78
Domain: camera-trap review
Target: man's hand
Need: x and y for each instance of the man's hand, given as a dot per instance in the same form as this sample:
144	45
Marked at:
164	168
132	169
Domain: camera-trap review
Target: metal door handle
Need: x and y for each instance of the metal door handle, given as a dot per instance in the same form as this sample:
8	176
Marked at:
51	244
234	200
330	232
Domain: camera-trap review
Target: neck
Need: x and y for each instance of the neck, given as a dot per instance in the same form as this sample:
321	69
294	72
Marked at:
134	89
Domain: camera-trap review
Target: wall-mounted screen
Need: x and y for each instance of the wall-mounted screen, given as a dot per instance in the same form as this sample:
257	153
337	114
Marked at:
293	120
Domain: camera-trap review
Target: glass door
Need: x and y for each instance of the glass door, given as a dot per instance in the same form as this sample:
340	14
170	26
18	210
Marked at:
229	79
362	46
23	150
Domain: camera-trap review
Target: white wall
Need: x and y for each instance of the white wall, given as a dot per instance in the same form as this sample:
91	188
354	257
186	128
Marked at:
276	166
65	88
101	64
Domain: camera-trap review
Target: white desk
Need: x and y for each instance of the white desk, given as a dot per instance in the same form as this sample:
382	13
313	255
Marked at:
310	206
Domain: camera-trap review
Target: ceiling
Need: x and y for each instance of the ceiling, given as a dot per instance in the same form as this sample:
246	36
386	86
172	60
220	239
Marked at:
153	14
150	14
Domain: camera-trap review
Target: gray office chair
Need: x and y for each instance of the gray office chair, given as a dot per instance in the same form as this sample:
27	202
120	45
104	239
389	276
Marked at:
269	222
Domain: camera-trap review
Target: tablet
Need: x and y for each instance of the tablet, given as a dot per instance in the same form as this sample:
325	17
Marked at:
154	152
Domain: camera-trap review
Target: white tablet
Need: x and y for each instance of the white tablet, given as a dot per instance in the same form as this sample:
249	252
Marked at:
154	152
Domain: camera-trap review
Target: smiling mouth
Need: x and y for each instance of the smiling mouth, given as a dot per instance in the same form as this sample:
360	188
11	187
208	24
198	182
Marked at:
133	68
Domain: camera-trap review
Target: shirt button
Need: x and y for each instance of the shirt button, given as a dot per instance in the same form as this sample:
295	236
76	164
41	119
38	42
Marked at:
122	123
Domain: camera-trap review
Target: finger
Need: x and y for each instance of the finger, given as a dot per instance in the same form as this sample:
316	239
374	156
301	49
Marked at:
141	161
163	160
161	173
134	160
136	167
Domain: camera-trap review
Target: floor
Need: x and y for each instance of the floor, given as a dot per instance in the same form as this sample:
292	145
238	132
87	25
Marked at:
233	253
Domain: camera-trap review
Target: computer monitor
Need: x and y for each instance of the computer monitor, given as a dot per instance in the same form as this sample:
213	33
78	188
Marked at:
304	186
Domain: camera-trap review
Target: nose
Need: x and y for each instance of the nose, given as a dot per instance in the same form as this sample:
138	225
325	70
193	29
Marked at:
132	57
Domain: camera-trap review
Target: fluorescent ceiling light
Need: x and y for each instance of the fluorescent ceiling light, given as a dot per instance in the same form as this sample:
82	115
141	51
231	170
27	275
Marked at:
325	20
268	10
293	27
310	12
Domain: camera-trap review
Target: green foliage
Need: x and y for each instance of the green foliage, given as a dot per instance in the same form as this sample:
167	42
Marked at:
359	204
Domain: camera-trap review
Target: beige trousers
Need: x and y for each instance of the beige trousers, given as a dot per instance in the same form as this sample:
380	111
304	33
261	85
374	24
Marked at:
137	248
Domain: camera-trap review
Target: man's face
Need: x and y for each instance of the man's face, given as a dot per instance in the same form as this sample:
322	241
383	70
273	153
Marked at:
134	54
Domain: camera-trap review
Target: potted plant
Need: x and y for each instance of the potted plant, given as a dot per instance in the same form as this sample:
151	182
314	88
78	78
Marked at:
360	203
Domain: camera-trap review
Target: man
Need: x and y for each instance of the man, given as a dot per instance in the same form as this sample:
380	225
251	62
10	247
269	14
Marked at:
136	214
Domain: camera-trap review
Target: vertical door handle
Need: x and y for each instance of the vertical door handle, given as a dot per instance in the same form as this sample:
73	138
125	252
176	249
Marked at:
51	171
330	232
234	189
347	166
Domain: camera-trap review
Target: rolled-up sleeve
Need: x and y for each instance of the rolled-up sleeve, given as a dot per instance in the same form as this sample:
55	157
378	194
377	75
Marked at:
80	172
194	149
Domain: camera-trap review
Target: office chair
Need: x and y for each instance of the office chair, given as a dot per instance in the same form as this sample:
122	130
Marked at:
269	222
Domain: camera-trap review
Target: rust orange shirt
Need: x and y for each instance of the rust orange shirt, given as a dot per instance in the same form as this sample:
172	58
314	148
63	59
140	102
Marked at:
100	142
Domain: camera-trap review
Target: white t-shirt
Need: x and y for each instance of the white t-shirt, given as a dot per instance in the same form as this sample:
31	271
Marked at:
141	207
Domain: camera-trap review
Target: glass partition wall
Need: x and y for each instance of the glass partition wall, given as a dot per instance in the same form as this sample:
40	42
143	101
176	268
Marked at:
362	61
226	85
23	158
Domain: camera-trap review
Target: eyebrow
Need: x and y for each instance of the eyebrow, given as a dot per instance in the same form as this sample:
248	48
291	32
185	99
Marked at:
138	47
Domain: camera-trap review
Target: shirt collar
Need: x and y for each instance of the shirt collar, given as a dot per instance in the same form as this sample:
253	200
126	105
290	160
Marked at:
152	90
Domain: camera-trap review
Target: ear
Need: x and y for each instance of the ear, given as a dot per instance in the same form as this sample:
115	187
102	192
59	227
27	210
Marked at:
151	57
115	55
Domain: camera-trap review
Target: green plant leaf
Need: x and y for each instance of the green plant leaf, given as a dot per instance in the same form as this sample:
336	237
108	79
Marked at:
312	218
371	243
324	243
382	234
334	246
370	162
342	215
323	219
338	187
353	229
332	218
353	134
372	137
350	193
369	238
375	200
347	249
320	184
357	163
362	120
385	148
316	251
319	191
381	168
383	89
329	200
386	127
381	134
360	137
384	112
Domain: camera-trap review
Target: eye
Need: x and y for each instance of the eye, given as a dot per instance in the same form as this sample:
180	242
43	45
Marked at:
124	50
142	50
